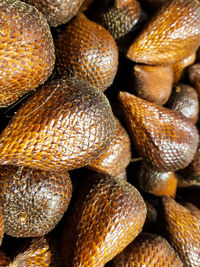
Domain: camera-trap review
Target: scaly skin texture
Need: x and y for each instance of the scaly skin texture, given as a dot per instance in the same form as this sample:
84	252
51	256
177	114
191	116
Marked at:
148	250
33	201
116	157
157	183
171	35
185	100
57	12
64	124
26	50
165	139
153	83
184	231
87	50
194	74
107	215
36	255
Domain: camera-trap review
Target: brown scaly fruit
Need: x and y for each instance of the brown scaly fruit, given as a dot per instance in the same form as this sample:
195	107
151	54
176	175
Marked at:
157	183
107	215
193	209
26	50
87	50
165	139
171	35
57	12
36	255
116	157
183	230
153	83
148	250
33	201
194	74
184	99
66	123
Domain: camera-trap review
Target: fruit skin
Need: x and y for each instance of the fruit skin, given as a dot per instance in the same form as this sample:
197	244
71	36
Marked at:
165	139
57	12
171	35
87	50
183	230
27	53
194	74
33	201
108	213
148	250
66	123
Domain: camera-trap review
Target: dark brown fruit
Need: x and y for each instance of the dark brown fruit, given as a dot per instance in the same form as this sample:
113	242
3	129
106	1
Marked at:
148	250
184	231
165	139
4	259
26	50
33	201
87	50
107	215
36	255
57	12
194	76
153	83
66	124
116	157
185	100
171	35
157	183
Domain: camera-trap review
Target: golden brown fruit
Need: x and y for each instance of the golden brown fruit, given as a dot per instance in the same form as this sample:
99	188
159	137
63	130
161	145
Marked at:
171	35
33	201
193	209
87	50
194	76
185	100
36	255
65	124
116	157
57	12
184	231
157	183
107	215
153	83
148	250
165	139
26	50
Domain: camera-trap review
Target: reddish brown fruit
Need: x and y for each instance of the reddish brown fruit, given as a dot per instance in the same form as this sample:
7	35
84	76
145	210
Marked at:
194	76
104	229
193	209
165	139
64	124
170	36
33	201
116	157
57	12
185	100
184	231
148	250
4	259
87	50
36	255
153	83
157	183
26	50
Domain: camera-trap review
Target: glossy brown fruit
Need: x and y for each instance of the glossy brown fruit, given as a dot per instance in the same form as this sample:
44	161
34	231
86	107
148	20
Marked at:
165	139
193	209
116	157
4	259
26	50
148	250
171	35
157	183
87	50
57	12
36	255
194	76
184	231
107	215
153	83
33	201
185	100
65	124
